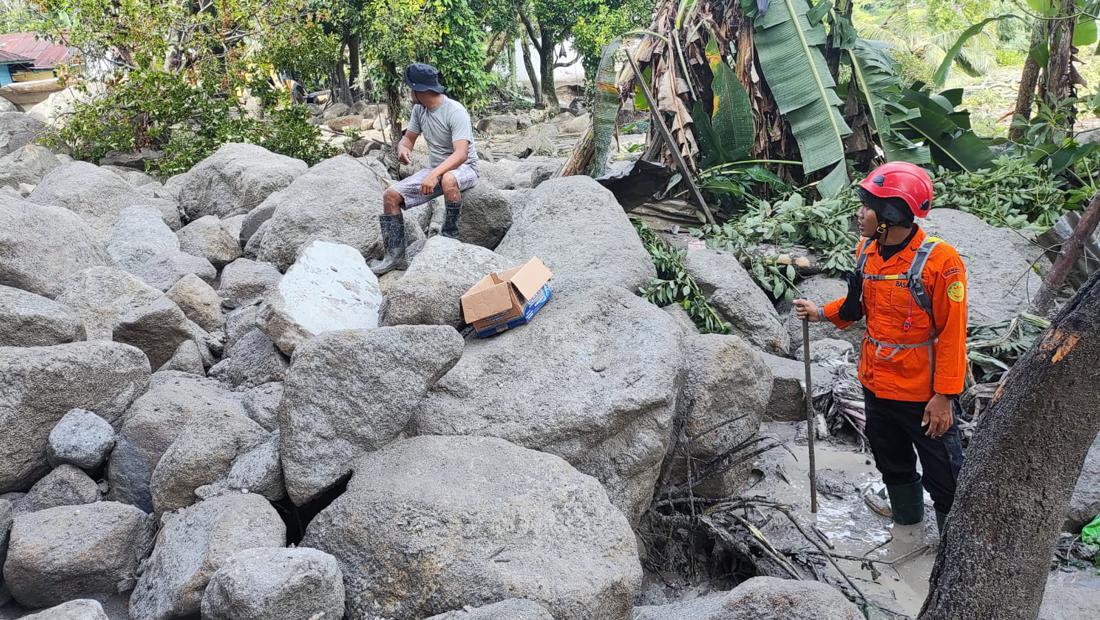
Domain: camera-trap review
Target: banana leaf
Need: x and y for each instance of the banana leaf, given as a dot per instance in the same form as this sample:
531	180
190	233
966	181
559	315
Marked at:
606	110
946	132
940	76
790	51
732	120
876	75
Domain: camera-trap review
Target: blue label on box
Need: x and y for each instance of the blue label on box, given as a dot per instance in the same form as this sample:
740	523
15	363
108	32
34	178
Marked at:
530	309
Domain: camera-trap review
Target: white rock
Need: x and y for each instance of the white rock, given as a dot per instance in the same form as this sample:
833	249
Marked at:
329	288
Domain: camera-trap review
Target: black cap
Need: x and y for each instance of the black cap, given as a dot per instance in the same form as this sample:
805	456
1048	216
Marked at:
423	77
890	211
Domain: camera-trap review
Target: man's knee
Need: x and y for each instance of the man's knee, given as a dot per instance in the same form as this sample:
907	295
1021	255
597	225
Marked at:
392	201
449	183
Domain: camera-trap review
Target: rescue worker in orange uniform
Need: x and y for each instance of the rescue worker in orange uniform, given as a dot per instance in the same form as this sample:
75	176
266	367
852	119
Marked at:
911	289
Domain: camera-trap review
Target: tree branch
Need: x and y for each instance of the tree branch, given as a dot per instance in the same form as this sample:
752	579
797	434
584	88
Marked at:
531	32
576	57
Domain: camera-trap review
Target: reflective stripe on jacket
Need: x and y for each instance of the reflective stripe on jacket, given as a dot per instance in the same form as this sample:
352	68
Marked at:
893	316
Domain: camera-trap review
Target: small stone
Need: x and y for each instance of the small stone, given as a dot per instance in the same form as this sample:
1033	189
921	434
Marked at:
80	438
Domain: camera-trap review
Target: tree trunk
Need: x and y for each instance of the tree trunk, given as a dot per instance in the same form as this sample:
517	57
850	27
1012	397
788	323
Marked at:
1067	258
353	66
1060	80
546	71
531	75
393	102
1029	78
1020	472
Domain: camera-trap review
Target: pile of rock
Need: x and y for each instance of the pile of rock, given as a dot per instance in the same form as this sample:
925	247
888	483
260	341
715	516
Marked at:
190	366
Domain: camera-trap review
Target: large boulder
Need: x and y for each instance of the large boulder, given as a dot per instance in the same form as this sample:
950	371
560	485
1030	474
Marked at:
329	288
202	453
1084	505
207	237
582	234
142	244
733	293
351	392
486	216
193	544
338	200
80	438
27	165
998	263
233	180
788	393
7	515
761	597
429	292
71	552
64	486
245	280
98	196
29	320
432	524
198	301
186	359
726	390
30	233
264	583
78	609
510	609
17	130
593	378
115	305
509	174
152	425
821	290
41	384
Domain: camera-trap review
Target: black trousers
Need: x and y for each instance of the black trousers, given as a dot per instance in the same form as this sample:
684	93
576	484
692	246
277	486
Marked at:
894	430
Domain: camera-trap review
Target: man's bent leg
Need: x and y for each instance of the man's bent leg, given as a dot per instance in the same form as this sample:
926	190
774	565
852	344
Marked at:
392	224
453	184
894	457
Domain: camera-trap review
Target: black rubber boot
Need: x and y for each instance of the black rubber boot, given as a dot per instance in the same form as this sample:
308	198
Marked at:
906	502
393	238
450	223
941	519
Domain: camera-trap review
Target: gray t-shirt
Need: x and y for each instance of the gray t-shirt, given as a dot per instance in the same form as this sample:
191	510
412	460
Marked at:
443	126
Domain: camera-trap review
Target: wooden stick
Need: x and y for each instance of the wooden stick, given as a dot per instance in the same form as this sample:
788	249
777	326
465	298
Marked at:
1071	251
811	431
672	146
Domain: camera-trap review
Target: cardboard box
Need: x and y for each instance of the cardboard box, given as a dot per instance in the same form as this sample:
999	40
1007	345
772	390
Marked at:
501	301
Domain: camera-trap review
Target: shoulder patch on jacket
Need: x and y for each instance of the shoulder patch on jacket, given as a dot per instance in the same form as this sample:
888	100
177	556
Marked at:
956	291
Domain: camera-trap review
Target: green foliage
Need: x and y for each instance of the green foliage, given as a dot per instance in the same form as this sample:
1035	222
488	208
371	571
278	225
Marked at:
593	31
726	135
674	285
183	74
790	52
876	76
993	348
821	227
940	76
1015	193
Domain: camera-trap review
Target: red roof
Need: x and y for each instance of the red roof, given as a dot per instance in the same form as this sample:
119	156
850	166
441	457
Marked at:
30	48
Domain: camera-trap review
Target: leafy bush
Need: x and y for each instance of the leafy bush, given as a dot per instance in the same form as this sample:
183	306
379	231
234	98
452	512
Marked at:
1016	193
822	227
150	109
674	285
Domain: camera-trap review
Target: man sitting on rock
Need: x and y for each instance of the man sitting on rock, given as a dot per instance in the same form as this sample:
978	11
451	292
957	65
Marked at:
446	126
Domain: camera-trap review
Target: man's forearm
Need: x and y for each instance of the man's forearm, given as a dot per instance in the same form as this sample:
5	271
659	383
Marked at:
455	160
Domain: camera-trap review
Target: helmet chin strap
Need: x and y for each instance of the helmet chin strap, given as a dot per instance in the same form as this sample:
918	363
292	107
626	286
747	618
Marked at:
880	232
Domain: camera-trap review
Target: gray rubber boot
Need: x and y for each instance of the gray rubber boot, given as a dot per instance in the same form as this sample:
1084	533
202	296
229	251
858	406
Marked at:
393	238
450	223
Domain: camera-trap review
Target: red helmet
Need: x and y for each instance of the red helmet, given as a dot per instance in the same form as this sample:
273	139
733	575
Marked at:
901	179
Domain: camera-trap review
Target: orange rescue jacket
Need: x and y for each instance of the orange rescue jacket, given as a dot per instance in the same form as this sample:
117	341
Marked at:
894	317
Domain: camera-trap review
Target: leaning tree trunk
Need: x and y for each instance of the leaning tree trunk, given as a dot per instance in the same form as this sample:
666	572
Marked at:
354	43
531	74
1067	258
1060	78
1029	79
1021	468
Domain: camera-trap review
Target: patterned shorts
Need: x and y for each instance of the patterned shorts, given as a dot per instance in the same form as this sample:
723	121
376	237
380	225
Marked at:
409	188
